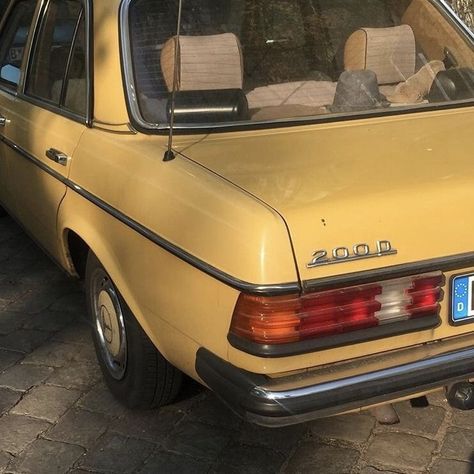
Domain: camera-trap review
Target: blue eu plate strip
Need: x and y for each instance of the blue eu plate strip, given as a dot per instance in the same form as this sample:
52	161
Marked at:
462	297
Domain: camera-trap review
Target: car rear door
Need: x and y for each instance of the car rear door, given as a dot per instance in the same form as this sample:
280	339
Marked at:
46	119
15	29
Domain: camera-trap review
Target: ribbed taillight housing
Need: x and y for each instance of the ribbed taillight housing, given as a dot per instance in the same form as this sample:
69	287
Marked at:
287	319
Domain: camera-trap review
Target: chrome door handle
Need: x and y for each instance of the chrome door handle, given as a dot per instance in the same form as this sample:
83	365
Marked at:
57	156
3	121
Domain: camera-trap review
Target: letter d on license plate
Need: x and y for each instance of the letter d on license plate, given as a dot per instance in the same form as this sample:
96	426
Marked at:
462	299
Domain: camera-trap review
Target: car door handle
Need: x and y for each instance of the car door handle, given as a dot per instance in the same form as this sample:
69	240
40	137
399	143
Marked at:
57	156
3	121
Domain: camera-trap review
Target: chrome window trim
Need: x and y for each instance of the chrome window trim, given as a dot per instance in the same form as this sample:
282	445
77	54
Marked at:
127	69
142	125
38	18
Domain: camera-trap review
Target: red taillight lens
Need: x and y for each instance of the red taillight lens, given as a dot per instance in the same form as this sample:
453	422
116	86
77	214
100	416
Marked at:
284	319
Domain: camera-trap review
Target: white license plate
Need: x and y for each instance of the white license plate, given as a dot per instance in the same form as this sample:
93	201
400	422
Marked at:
462	298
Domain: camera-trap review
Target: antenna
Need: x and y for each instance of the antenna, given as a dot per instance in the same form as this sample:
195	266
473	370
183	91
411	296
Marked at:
169	153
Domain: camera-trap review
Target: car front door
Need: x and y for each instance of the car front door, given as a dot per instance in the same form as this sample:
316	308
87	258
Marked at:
46	119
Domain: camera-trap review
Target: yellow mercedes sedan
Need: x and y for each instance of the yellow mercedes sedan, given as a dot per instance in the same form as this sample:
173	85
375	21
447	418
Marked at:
272	197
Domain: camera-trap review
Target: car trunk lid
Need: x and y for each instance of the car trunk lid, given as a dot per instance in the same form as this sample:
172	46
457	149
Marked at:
399	183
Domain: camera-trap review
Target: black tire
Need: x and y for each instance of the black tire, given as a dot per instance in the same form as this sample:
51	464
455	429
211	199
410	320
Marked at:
143	378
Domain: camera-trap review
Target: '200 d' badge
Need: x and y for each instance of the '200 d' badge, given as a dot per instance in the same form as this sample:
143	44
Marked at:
344	254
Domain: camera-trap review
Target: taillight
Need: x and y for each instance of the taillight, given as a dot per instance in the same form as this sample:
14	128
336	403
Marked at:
286	319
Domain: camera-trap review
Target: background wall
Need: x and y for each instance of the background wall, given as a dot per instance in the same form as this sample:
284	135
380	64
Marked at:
465	9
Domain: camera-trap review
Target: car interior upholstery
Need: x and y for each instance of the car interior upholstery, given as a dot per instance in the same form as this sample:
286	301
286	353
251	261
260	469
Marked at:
290	72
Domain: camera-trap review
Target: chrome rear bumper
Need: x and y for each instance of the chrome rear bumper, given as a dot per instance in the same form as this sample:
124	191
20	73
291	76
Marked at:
339	387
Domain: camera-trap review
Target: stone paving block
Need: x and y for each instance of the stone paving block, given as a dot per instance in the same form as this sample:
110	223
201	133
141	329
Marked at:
10	322
438	398
170	463
312	457
282	440
78	375
117	454
47	457
50	321
458	444
153	425
355	428
9	229
449	466
60	354
250	459
213	412
17	432
190	396
46	402
15	265
30	251
8	358
42	274
79	427
23	340
23	377
8	399
74	302
77	333
100	400
10	293
372	470
225	469
79	471
35	300
198	440
463	418
402	451
5	459
423	420
12	246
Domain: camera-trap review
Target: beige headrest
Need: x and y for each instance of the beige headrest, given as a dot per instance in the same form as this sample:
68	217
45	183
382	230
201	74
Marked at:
389	52
205	62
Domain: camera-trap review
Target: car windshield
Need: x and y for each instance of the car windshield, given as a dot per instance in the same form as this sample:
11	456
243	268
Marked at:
250	61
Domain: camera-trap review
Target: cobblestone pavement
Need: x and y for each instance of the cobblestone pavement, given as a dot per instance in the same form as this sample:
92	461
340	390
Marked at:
56	415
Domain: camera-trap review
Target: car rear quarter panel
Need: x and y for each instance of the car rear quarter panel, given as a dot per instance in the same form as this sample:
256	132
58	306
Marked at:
189	206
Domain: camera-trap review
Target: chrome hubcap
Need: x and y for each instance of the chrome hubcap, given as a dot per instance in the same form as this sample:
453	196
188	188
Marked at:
109	325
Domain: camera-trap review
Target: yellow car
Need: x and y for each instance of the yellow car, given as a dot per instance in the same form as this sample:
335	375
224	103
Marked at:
273	197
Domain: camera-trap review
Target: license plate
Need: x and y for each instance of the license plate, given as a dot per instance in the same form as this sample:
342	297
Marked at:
462	298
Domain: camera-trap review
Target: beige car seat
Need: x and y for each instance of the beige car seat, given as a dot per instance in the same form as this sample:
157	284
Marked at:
216	62
391	54
204	62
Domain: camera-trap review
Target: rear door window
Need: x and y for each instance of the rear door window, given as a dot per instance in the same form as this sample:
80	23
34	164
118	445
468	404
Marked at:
57	72
13	39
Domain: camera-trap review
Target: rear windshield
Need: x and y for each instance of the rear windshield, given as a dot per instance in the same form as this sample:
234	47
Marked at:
250	61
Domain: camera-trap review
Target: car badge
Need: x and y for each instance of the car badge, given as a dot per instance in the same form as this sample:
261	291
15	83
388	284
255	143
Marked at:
344	254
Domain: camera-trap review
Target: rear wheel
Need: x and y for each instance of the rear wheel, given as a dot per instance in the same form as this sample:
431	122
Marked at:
135	372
